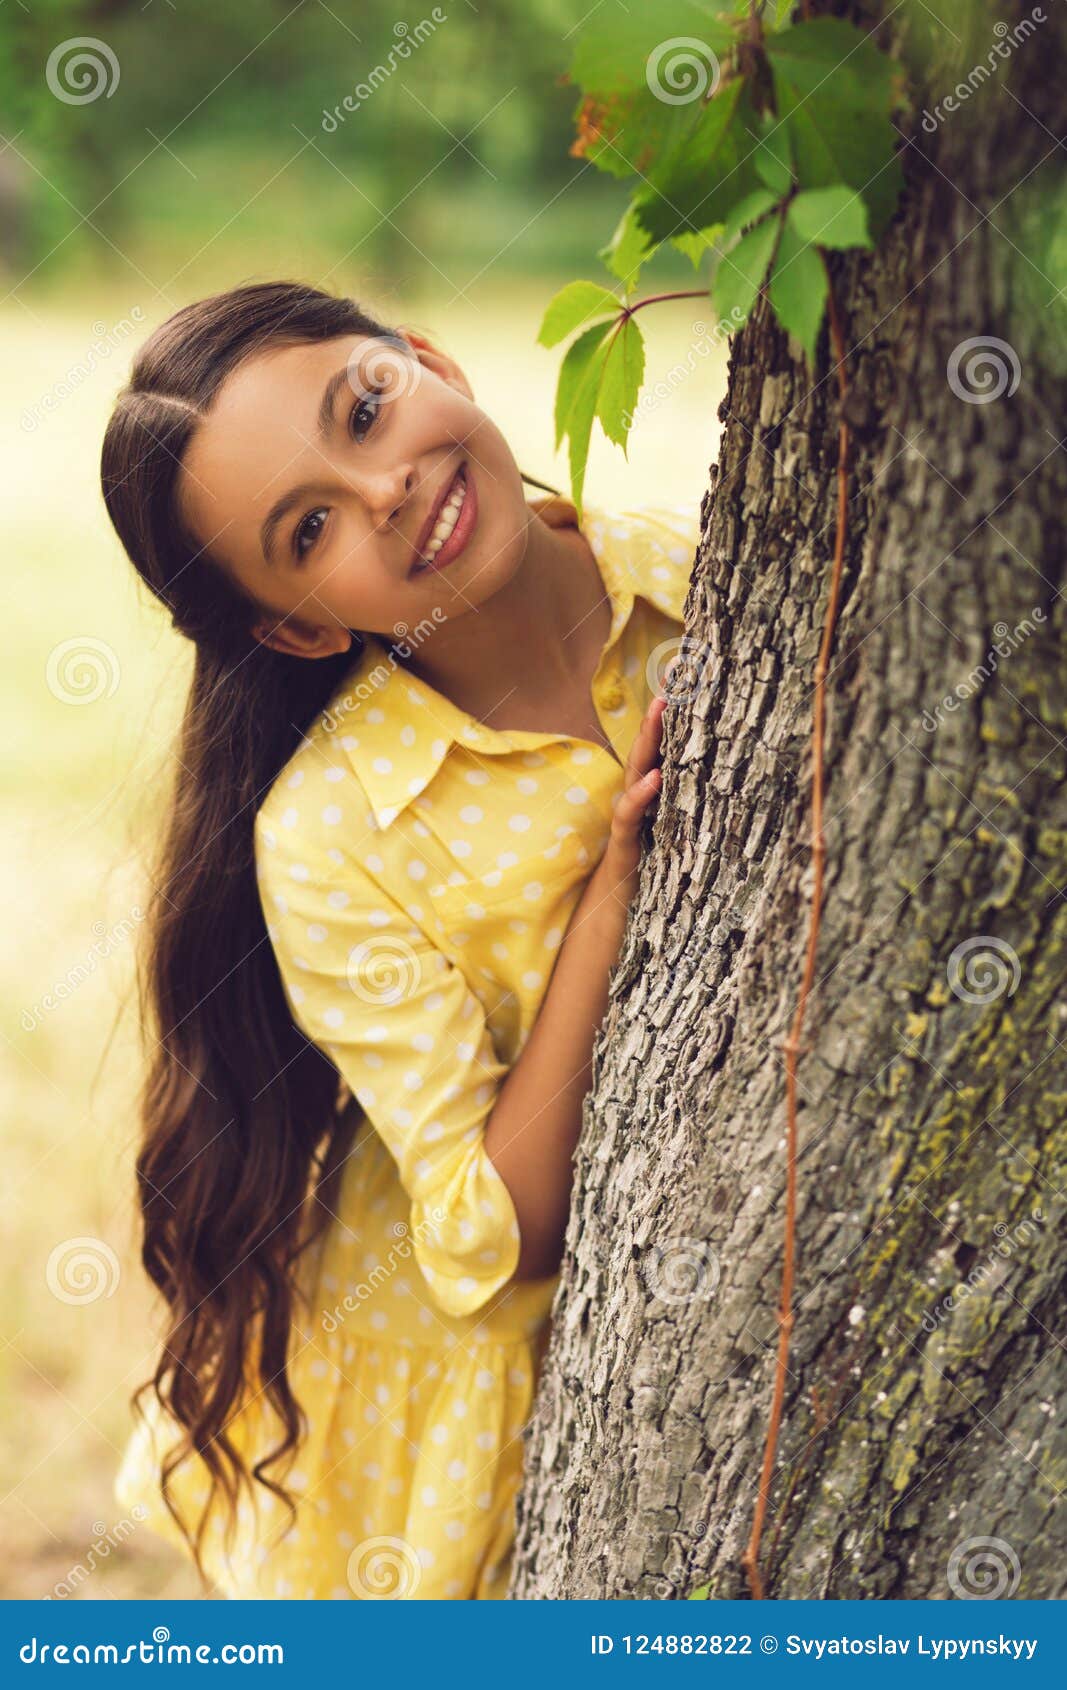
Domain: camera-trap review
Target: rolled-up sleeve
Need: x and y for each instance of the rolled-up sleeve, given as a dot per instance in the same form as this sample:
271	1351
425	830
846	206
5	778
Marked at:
401	1024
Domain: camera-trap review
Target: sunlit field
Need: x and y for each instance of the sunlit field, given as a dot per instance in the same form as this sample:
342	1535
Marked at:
94	682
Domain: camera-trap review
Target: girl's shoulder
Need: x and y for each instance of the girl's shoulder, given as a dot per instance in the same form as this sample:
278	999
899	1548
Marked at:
663	523
555	509
320	780
675	521
648	549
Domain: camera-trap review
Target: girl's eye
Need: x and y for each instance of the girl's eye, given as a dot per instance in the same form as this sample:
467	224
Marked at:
370	401
310	528
308	531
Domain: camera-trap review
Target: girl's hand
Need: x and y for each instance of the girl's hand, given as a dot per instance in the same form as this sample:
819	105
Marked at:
641	783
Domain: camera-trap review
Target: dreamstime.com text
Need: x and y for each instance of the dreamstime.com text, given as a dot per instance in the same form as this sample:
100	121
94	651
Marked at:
155	1651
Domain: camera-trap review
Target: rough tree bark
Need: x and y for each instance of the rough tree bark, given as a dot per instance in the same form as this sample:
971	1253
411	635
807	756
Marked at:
933	1086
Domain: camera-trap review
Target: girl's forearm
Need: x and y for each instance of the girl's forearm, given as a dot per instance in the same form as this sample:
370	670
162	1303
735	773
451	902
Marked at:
534	1126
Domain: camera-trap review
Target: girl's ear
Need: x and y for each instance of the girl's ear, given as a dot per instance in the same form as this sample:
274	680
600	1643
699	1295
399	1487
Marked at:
439	362
295	641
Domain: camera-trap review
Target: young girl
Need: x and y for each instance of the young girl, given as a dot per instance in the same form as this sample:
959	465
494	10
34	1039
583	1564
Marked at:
422	733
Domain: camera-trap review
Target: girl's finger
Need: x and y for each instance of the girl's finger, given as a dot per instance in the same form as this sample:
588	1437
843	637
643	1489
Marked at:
632	804
645	748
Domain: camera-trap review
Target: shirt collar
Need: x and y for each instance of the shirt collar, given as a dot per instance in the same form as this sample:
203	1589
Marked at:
380	698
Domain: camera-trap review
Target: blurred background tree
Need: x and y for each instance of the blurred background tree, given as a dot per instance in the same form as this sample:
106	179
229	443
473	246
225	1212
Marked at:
215	123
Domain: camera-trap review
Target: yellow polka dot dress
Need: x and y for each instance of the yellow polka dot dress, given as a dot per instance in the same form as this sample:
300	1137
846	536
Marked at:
417	871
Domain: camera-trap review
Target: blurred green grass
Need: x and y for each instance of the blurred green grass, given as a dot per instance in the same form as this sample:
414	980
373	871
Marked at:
81	784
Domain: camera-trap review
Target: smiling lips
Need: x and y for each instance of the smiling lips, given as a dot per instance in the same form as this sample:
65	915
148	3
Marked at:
454	524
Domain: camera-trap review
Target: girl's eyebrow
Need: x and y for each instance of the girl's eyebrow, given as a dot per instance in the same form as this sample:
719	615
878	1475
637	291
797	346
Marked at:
282	506
329	399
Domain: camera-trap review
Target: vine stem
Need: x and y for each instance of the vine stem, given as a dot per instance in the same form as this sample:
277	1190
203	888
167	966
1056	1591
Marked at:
792	1045
627	311
652	299
655	298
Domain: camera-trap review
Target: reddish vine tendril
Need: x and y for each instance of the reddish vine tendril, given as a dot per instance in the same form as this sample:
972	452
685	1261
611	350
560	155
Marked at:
792	1045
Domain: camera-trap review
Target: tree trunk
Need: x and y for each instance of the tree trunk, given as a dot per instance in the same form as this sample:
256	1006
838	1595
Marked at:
933	1079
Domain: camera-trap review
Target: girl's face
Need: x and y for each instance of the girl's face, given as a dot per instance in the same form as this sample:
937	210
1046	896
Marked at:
313	477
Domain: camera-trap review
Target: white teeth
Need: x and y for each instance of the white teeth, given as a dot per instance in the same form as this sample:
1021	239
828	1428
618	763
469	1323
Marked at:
445	522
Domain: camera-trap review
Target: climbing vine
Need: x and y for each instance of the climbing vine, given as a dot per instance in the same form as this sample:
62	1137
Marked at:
758	145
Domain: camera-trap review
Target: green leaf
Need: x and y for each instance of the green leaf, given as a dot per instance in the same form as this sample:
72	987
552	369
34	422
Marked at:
701	1594
699	184
740	272
624	127
774	157
798	289
833	146
624	371
830	54
629	248
624	134
747	211
695	245
572	306
572	372
834	89
580	422
613	52
781	12
831	217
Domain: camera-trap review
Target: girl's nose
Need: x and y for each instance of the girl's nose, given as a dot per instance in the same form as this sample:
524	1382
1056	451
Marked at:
384	492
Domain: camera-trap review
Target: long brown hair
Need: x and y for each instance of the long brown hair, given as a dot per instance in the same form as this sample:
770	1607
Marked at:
245	1125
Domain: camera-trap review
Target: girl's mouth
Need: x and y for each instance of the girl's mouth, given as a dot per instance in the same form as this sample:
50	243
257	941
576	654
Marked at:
454	525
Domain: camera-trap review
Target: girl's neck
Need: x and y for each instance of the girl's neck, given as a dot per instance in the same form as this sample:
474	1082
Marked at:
527	646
